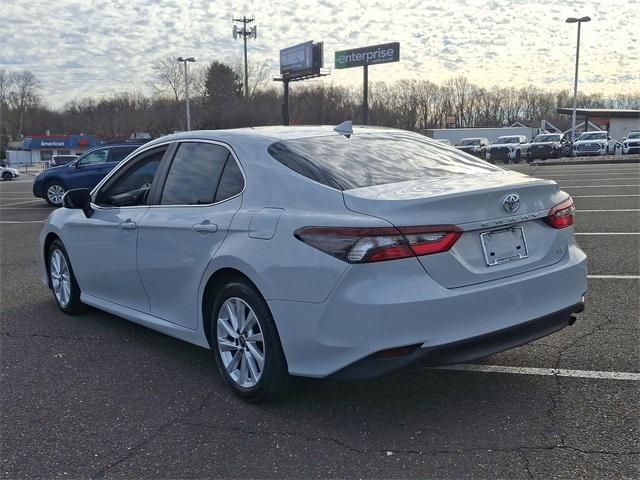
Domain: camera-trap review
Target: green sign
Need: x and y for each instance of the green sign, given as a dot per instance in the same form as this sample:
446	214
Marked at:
372	55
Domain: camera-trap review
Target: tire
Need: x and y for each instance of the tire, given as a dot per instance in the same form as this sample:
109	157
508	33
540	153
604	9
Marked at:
54	198
58	267
6	176
237	355
517	159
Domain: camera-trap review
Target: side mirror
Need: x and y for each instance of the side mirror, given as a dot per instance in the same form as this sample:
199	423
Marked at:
78	199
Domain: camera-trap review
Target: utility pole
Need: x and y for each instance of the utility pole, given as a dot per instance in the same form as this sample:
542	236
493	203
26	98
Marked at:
245	32
186	87
579	21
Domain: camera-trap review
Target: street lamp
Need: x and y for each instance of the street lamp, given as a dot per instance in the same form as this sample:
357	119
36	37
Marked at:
575	83
186	87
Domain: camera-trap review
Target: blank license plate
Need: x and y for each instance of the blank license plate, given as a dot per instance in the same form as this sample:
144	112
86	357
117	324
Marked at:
502	246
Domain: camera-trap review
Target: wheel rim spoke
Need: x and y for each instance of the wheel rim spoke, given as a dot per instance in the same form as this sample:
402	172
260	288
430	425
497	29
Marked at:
240	342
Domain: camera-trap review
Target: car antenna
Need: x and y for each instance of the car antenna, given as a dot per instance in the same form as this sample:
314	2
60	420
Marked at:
345	128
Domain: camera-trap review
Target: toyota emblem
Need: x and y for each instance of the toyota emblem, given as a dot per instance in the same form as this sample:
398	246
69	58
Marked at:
511	202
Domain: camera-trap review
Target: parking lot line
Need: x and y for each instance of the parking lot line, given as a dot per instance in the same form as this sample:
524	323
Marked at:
606	196
552	372
607	210
21	203
21	221
617	277
607	233
602	186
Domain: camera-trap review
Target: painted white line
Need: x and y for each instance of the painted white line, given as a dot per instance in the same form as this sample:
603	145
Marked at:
550	372
607	233
16	198
562	180
619	210
606	196
601	186
634	277
25	221
22	203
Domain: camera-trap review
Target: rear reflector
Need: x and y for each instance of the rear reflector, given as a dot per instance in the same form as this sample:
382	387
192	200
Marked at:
366	245
562	215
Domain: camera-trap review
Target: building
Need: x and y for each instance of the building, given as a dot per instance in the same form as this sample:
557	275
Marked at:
43	147
617	122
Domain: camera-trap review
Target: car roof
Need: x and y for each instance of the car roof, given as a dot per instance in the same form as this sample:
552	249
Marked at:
269	134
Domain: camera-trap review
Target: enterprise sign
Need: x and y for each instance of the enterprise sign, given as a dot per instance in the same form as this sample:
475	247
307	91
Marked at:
372	55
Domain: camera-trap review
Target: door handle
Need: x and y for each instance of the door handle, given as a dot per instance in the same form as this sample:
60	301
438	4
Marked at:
205	227
127	225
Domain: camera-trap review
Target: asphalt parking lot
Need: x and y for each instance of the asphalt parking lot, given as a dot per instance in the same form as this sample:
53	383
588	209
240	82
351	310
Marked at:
96	396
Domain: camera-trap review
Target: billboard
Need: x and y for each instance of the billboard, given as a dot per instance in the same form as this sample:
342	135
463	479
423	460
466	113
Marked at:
301	60
371	55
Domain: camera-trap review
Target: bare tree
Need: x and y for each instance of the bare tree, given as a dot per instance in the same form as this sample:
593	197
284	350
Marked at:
168	81
23	95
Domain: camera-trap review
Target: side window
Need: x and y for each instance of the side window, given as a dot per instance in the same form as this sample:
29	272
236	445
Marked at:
131	186
119	153
231	182
99	156
194	174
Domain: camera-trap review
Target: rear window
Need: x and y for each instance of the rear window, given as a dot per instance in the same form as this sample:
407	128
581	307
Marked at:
368	159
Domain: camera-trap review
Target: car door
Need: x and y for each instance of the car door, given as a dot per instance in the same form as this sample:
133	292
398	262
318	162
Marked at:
88	170
103	246
180	234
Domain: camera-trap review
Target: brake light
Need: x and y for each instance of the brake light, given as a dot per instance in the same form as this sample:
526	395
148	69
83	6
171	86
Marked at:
366	245
562	215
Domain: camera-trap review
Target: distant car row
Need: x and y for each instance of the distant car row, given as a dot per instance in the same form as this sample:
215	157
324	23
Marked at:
515	148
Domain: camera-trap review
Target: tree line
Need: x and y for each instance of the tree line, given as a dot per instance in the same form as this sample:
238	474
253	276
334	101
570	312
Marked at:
218	101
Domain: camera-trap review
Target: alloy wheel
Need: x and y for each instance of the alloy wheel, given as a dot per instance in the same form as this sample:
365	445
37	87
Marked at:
60	277
240	342
55	193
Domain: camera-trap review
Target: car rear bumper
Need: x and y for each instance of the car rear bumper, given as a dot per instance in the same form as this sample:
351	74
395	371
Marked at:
377	307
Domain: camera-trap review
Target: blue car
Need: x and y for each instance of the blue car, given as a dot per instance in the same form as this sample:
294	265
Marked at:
85	172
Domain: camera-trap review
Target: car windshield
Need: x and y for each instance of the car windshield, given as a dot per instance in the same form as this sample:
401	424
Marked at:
634	135
367	159
507	140
593	136
470	141
547	138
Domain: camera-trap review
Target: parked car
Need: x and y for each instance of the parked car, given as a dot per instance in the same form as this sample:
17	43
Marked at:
631	143
474	146
549	145
594	143
84	172
444	140
8	173
302	251
57	160
509	148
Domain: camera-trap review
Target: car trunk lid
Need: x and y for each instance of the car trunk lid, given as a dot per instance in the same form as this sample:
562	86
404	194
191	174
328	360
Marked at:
475	203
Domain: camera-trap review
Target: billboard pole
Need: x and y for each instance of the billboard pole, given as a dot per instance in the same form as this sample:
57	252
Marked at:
285	106
365	96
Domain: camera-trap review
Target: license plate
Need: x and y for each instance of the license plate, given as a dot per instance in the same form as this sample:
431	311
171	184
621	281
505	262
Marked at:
502	246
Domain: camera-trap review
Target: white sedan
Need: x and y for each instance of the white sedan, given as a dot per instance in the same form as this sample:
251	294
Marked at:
8	173
319	252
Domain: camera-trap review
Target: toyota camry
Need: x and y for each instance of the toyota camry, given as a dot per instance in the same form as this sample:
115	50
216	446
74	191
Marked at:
344	252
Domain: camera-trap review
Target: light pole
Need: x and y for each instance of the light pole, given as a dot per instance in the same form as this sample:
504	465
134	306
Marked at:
186	87
575	83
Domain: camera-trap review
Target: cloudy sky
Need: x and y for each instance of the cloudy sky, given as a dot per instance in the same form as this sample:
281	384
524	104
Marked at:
81	48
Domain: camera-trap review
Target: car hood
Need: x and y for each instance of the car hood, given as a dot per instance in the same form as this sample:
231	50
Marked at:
545	143
504	144
585	142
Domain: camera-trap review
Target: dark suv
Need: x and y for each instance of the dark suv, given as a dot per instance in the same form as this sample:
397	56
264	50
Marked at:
85	172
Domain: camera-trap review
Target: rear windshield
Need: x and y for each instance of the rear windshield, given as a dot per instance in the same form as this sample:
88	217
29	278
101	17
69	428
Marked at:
368	159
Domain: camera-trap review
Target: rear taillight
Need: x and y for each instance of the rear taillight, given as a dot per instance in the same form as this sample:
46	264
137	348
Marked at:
562	215
365	245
